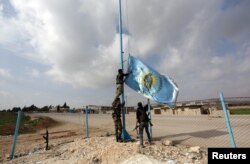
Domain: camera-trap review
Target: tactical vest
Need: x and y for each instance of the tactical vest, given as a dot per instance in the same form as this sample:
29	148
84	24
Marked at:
119	79
143	115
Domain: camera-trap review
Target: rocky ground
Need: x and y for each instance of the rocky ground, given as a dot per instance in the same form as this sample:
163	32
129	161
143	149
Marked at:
68	145
106	150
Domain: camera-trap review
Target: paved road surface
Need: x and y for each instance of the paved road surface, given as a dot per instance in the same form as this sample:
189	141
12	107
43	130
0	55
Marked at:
187	130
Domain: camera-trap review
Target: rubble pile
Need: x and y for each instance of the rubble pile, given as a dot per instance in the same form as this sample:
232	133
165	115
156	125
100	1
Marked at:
106	150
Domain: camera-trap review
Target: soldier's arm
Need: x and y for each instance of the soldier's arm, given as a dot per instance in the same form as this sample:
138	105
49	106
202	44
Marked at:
126	74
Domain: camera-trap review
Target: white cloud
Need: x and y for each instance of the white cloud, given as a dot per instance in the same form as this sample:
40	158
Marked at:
244	57
4	93
216	60
211	74
4	73
34	73
1	8
79	41
76	38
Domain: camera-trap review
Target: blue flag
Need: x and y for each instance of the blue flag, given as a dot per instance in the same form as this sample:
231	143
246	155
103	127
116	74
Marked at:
150	83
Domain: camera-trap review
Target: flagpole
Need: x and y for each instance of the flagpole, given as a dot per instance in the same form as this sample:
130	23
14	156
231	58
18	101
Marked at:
150	118
125	135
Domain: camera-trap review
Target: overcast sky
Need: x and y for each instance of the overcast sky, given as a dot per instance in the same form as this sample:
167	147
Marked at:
52	51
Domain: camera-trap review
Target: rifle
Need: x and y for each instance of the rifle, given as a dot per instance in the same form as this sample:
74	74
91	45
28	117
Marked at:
136	127
46	137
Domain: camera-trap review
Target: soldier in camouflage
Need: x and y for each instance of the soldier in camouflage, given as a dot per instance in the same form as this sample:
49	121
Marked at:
116	115
119	83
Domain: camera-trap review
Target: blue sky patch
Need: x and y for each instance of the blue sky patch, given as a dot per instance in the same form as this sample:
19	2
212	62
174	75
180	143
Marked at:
227	4
8	10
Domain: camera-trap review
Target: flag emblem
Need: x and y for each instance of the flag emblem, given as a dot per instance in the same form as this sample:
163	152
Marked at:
150	83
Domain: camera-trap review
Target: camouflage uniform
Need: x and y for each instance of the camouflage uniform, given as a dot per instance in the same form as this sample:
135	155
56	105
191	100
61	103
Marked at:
116	115
119	83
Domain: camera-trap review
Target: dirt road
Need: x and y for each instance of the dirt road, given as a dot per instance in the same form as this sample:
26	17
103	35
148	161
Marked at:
68	144
186	130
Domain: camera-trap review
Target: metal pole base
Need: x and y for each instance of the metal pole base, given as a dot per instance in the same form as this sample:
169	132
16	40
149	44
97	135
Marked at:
125	135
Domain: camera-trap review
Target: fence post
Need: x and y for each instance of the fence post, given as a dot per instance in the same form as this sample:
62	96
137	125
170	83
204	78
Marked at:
87	122
150	118
227	120
15	135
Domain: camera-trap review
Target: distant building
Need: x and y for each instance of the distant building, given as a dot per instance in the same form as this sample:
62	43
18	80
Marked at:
58	108
52	109
192	108
108	109
64	108
93	109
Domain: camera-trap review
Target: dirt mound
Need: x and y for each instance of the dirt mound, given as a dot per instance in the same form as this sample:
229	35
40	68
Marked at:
43	122
106	150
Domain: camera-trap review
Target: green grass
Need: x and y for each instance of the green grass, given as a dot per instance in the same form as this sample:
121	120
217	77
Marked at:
7	118
8	123
240	111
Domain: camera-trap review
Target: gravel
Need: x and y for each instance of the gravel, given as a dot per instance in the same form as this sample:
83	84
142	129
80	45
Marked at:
105	150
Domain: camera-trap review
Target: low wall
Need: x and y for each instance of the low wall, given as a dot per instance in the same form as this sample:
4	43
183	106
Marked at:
189	112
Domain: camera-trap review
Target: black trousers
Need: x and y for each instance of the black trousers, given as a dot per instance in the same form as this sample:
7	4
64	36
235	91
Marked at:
141	128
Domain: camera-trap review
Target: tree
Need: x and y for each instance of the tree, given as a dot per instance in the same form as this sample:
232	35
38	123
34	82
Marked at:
16	109
58	108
